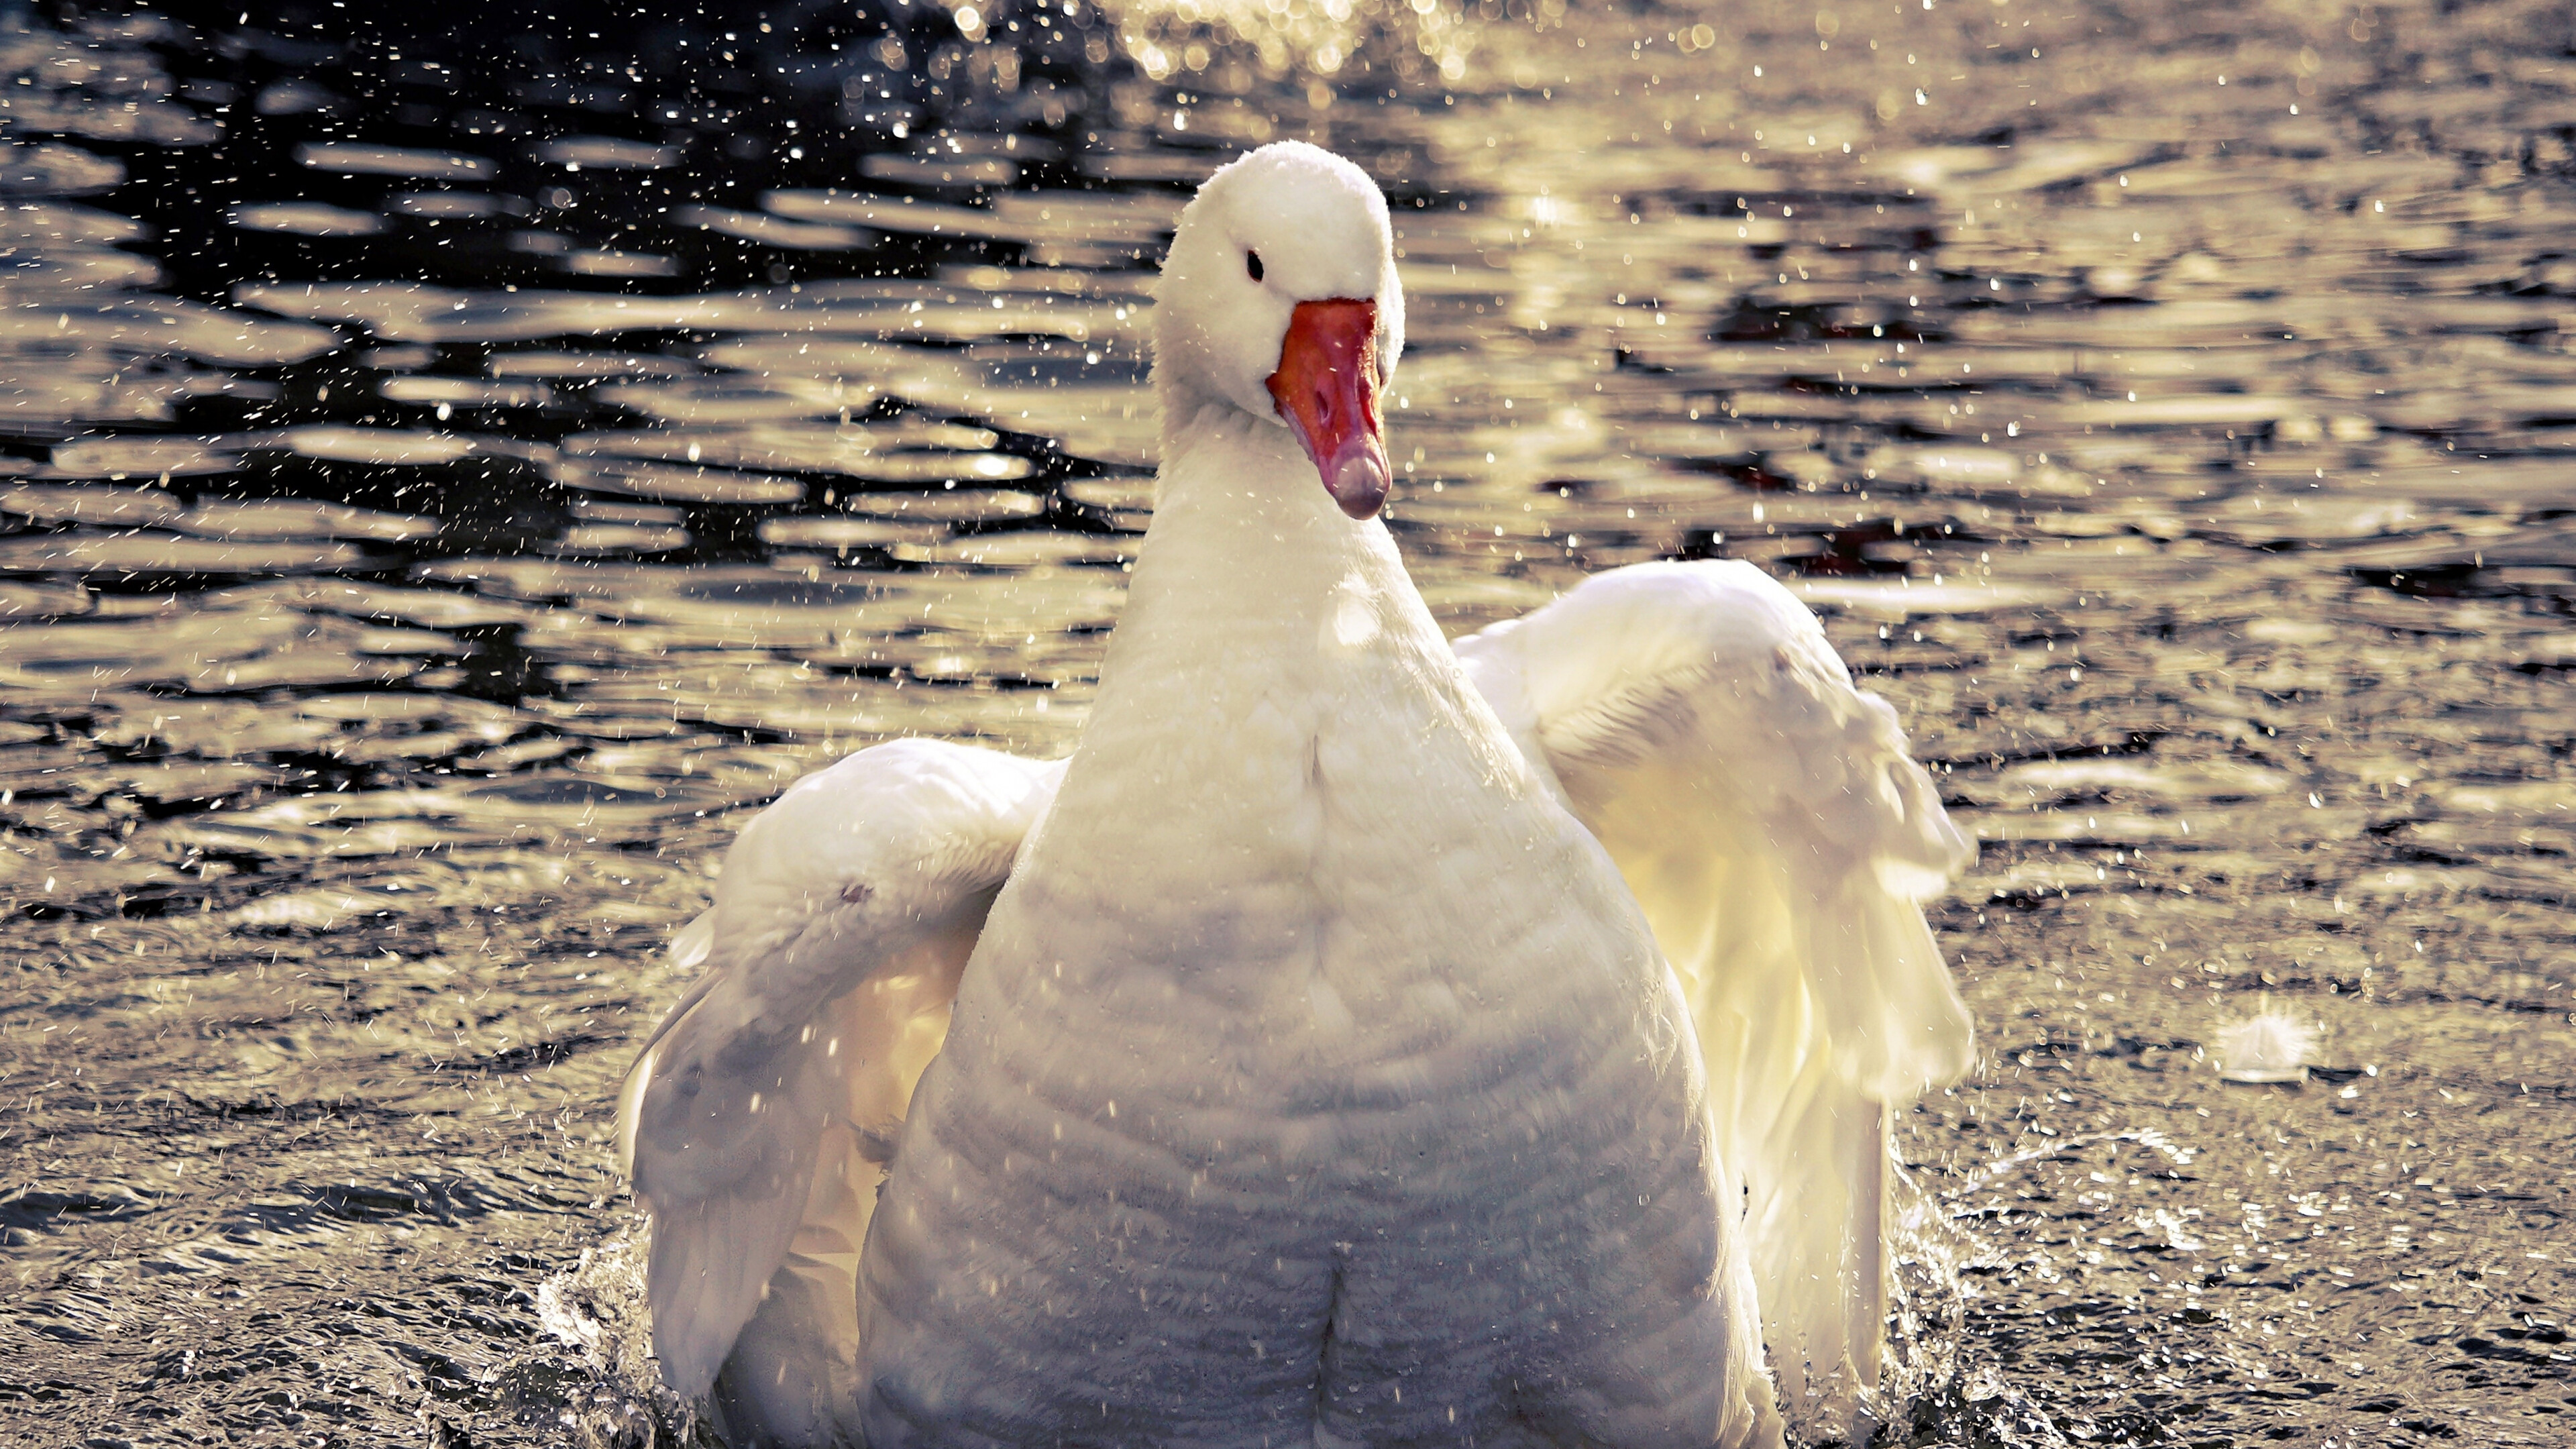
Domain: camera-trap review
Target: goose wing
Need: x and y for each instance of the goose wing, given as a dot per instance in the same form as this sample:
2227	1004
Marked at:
756	1122
1780	838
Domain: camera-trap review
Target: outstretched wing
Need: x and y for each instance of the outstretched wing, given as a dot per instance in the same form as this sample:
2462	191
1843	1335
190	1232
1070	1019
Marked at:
1780	839
756	1122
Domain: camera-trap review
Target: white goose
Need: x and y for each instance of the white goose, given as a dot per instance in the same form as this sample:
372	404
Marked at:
1316	1056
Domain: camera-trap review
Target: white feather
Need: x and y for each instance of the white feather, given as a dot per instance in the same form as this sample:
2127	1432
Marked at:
756	1119
1779	836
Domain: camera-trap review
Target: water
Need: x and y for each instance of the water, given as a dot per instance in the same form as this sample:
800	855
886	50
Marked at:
444	485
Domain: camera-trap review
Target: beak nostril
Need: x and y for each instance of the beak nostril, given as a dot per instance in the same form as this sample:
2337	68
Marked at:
1326	389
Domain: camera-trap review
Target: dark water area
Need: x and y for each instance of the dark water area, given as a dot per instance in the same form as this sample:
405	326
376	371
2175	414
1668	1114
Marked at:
453	467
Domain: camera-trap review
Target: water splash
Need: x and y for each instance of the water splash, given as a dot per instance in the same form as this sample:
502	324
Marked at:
2269	1046
378	673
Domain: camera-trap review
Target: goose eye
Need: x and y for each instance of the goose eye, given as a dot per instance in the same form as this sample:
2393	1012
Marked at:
1252	265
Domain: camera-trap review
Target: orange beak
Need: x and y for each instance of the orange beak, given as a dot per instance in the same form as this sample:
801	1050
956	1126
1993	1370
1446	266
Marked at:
1326	389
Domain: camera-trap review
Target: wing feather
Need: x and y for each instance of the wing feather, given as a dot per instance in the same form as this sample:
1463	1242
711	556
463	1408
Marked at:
1780	839
757	1119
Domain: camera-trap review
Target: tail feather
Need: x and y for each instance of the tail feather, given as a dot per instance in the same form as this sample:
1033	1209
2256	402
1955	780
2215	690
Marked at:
1884	1001
792	1377
1815	1222
1822	1007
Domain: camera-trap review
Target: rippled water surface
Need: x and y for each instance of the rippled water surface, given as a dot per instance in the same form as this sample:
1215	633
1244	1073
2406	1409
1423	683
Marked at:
445	482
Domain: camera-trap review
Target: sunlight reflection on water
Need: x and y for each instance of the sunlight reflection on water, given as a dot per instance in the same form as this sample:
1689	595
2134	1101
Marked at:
428	523
1426	39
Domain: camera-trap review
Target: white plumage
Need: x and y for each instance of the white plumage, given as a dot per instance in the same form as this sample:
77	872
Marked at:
1780	838
757	1120
1326	1061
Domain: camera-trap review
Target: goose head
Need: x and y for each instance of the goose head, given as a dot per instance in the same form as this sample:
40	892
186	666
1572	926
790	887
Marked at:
1279	298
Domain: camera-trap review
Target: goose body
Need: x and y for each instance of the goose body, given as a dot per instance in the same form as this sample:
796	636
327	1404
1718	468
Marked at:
1326	1058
